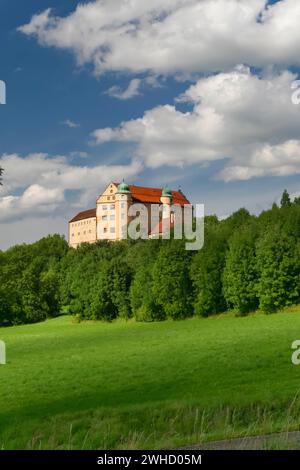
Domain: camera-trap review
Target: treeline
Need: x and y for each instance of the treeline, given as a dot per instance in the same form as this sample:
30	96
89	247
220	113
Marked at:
247	263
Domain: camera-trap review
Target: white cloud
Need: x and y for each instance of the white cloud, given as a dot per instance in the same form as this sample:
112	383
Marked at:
36	184
236	116
170	36
35	199
130	92
268	160
71	124
295	195
38	23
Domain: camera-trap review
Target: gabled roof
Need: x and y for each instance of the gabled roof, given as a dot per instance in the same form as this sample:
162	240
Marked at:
105	189
139	194
84	215
153	195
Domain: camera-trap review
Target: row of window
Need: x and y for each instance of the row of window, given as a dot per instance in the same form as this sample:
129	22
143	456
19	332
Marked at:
84	233
83	222
105	230
105	218
112	206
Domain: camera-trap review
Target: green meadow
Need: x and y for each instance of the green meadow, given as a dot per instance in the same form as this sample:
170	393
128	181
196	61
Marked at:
125	385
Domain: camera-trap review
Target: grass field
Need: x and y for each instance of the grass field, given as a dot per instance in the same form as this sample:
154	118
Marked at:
137	385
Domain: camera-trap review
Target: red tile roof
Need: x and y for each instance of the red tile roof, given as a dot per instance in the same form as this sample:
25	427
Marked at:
84	215
153	195
140	194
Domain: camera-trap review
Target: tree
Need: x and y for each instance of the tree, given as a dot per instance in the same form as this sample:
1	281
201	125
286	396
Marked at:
108	297
49	287
172	287
102	306
143	301
5	307
285	199
34	305
279	270
297	201
240	273
206	273
245	260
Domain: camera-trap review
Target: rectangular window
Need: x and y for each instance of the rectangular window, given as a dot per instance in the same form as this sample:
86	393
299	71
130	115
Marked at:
104	208
123	216
105	230
112	230
123	205
112	217
104	217
112	207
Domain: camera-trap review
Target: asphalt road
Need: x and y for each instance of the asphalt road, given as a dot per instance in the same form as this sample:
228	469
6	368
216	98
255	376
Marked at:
284	440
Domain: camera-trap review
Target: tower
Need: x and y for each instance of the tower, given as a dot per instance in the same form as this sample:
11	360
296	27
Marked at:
166	200
123	202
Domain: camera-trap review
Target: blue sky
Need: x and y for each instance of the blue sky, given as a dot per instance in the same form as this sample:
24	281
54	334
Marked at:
59	100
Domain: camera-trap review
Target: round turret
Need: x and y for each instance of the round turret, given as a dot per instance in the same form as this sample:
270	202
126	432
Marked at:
123	188
167	192
166	199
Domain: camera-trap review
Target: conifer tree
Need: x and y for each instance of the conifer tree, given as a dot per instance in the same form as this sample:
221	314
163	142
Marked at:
285	199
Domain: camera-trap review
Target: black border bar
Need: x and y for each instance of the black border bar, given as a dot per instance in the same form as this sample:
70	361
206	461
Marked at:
143	459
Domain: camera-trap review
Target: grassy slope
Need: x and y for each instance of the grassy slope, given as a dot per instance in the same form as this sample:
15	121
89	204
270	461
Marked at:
129	385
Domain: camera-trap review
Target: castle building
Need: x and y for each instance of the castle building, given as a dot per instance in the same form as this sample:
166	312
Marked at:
111	217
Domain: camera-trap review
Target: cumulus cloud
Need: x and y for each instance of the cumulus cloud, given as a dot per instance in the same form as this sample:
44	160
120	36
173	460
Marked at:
130	92
35	199
268	160
237	116
37	184
183	36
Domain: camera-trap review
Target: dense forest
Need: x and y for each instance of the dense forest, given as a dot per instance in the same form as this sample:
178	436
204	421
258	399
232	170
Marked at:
247	263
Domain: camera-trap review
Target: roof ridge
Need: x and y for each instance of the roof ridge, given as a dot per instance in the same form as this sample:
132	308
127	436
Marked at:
78	216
